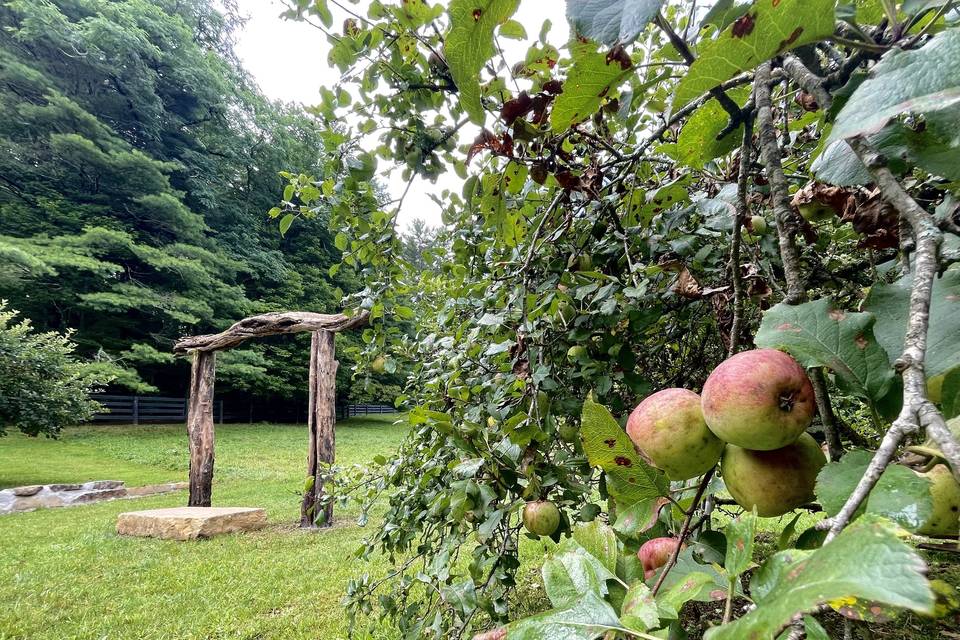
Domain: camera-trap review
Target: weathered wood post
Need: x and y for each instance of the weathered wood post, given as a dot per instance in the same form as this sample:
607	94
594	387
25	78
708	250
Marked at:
321	418
200	427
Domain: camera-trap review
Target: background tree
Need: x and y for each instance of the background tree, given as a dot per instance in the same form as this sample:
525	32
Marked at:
139	164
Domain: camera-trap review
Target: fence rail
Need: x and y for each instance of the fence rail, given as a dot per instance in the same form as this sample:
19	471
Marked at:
123	409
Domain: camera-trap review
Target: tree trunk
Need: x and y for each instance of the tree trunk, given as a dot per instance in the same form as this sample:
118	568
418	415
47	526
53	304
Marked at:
200	427
320	423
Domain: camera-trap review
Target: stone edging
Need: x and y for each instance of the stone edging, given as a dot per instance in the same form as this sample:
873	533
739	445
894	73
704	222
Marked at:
48	496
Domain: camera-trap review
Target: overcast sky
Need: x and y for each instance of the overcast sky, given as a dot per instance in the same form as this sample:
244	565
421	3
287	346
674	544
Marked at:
289	61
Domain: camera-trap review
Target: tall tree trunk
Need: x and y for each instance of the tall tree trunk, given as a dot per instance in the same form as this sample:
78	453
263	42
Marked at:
320	425
200	427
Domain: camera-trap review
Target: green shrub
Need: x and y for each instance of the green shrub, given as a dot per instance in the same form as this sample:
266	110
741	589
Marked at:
43	386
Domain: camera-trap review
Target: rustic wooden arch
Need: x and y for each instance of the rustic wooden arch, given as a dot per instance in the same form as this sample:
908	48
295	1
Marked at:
322	397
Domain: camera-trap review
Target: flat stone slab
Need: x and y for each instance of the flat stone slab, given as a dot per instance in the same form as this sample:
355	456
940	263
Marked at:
190	523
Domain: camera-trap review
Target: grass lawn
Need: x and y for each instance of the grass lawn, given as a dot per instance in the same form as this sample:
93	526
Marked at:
64	573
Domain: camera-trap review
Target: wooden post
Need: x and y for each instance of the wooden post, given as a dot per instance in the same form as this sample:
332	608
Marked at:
200	427
321	418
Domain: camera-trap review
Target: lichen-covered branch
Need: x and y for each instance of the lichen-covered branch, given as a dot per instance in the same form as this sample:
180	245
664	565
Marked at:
807	80
917	409
786	236
779	193
743	212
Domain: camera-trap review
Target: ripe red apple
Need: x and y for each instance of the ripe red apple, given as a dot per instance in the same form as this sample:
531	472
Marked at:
654	554
541	517
668	430
945	520
760	400
775	481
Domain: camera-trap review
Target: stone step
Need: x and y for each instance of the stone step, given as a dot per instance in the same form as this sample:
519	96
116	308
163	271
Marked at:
190	523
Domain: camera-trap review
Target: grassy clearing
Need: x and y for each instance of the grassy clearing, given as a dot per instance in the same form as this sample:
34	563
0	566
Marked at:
64	573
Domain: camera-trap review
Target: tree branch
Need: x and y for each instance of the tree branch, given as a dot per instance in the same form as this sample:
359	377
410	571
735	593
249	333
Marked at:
917	409
684	530
786	235
807	80
779	193
743	211
731	107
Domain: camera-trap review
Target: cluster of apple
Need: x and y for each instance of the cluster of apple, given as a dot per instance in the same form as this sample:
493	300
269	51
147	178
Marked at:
752	417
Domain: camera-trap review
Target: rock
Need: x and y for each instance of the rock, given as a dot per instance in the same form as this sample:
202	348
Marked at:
154	489
41	501
103	484
190	523
24	492
65	487
98	495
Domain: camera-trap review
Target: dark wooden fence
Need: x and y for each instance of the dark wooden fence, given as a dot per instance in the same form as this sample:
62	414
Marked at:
123	409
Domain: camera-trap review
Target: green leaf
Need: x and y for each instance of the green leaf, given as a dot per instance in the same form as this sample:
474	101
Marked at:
591	79
890	304
867	561
513	30
639	610
629	478
697	143
715	589
814	629
469	44
600	541
740	534
285	223
919	81
900	494
766	30
687	588
950	394
572	572
611	21
934	147
588	618
817	334
638	517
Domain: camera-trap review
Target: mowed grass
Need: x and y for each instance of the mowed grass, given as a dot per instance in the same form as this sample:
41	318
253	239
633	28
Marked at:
64	573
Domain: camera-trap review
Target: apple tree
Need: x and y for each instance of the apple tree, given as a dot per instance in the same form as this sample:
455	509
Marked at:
675	184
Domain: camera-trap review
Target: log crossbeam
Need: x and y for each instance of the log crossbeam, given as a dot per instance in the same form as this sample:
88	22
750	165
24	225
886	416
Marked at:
270	324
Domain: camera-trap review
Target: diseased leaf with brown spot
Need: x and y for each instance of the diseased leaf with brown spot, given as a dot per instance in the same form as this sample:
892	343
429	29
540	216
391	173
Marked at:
767	29
867	561
629	478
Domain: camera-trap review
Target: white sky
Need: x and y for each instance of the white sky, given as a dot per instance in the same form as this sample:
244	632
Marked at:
289	61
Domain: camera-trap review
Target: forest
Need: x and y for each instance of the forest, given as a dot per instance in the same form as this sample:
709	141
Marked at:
139	162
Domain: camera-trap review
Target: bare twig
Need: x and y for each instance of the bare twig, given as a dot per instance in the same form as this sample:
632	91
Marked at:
743	211
684	530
